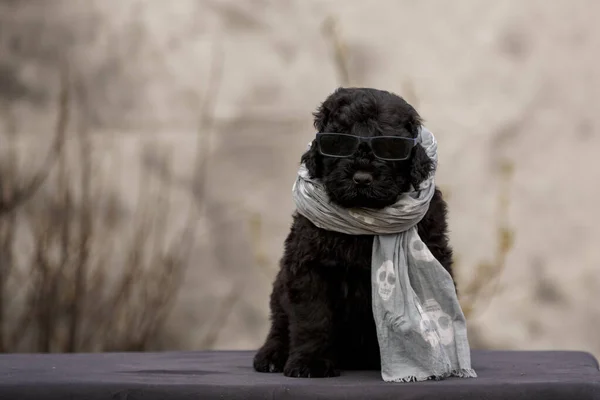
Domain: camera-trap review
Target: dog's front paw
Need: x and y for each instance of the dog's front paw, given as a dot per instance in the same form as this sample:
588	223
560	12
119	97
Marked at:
318	368
270	359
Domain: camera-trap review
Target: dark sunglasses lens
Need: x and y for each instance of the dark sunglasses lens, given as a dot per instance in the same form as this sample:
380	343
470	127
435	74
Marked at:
337	145
391	148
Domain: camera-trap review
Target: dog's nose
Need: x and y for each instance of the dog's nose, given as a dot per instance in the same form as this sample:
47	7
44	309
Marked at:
362	178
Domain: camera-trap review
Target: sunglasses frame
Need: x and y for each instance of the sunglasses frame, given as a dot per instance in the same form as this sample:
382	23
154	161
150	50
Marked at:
367	140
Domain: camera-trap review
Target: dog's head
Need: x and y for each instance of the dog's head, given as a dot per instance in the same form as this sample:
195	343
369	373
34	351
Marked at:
362	179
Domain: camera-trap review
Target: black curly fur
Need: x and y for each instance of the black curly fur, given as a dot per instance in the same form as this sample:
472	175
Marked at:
321	316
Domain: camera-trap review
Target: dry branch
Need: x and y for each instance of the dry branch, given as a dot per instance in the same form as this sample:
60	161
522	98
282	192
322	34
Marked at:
9	199
81	293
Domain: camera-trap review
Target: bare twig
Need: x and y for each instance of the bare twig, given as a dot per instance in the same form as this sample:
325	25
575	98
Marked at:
261	257
487	275
222	315
86	228
74	297
43	303
19	195
331	30
7	231
206	126
409	93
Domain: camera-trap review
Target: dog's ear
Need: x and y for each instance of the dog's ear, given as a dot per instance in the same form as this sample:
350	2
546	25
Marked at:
312	158
313	162
320	117
421	166
413	122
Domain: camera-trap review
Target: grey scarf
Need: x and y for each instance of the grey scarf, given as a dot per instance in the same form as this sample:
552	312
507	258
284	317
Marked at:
421	328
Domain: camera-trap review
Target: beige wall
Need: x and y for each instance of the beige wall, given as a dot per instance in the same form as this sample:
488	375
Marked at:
512	81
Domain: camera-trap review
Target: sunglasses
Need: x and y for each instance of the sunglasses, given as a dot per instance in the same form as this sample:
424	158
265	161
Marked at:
388	148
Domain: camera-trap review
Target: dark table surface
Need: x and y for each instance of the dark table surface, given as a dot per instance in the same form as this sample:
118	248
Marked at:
229	375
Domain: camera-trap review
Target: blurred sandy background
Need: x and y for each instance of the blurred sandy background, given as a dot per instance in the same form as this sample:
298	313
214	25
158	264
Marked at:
185	124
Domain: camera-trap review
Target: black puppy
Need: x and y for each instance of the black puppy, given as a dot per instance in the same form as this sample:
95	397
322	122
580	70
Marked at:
321	316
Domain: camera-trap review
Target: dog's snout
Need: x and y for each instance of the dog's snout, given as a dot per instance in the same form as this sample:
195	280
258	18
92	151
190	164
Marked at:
362	178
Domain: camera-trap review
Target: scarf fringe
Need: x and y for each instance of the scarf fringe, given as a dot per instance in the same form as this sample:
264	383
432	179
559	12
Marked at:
459	373
411	378
464	373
